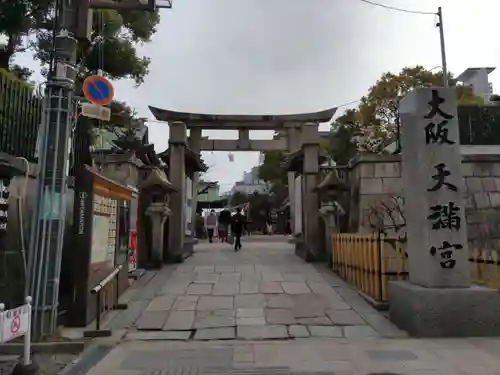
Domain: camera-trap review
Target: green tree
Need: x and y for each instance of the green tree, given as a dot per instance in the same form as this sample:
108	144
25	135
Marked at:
238	198
113	44
372	124
345	131
18	19
271	169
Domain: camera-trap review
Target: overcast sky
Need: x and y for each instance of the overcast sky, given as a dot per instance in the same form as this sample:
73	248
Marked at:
290	56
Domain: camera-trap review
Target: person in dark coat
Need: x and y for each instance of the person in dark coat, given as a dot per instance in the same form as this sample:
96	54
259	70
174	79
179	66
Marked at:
237	228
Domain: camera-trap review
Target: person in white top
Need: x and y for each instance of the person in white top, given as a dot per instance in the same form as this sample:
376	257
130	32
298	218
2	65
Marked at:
211	224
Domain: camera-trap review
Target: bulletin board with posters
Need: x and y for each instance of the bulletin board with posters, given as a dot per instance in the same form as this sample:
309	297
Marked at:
101	238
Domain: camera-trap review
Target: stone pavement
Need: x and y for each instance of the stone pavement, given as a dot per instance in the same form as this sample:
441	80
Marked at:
265	311
263	291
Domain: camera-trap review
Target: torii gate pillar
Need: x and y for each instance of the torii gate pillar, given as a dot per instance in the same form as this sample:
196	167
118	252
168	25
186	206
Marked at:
177	175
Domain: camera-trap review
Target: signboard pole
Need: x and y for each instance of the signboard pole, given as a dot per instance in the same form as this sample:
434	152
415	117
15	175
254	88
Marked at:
2	318
27	335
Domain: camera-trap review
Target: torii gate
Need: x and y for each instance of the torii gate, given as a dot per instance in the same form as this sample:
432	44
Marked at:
301	134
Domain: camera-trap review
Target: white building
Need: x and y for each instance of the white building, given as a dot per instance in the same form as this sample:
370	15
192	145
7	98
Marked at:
477	78
250	183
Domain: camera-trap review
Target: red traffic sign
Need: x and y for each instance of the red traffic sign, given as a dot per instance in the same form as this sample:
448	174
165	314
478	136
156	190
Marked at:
15	325
98	90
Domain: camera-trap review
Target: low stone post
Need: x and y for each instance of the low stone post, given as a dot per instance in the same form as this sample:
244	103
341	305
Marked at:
438	300
158	214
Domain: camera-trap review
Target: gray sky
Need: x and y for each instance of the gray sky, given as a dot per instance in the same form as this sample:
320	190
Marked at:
289	56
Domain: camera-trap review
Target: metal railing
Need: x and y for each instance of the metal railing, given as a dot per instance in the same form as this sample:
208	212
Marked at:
21	110
107	294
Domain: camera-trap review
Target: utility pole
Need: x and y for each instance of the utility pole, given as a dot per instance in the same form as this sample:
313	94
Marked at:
48	220
443	47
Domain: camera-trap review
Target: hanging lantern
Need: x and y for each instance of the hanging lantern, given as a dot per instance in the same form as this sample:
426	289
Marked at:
230	156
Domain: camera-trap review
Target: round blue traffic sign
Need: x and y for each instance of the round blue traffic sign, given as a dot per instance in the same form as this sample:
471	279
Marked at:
98	90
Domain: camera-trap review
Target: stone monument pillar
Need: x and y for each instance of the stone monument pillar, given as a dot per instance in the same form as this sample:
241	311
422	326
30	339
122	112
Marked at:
177	176
438	299
195	146
310	199
158	213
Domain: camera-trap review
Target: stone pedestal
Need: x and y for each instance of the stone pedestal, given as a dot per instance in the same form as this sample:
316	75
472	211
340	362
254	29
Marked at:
328	212
158	214
438	299
177	176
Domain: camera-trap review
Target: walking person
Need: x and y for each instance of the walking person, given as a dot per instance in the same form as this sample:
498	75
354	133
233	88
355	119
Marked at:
224	221
211	224
237	228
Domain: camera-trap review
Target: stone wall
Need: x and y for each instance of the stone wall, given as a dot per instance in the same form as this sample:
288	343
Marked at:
376	185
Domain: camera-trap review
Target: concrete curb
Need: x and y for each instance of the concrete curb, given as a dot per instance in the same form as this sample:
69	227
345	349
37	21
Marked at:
63	347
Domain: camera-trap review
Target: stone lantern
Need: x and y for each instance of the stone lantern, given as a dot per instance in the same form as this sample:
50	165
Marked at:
159	189
329	191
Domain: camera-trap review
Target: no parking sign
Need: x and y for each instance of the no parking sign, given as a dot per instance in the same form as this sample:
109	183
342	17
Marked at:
15	323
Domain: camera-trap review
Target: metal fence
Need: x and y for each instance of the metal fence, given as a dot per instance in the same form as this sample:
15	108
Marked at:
20	116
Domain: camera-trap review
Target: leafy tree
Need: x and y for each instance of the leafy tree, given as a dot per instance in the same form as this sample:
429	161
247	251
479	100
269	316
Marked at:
238	198
18	19
345	132
271	169
113	44
373	123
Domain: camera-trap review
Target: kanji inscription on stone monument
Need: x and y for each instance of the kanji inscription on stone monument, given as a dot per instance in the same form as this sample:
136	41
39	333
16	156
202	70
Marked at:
434	206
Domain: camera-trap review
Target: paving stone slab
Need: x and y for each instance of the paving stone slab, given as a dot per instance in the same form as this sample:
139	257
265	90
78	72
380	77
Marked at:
158	335
230	278
214	321
280	301
260	321
322	331
317	321
294	277
152	320
249	301
298	331
261	332
207	278
226	289
250	313
280	316
175	289
271	276
295	287
225	333
359	332
215	303
204	269
162	303
179	321
185	303
249	287
345	318
224	269
270	287
199	289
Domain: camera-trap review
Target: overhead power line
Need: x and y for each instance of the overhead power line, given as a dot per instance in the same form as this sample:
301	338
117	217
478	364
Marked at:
396	8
